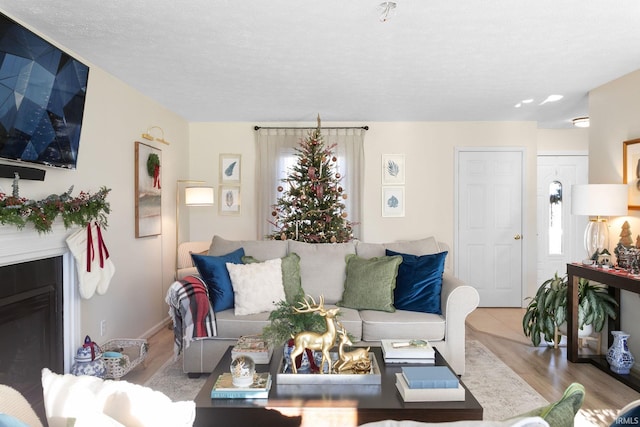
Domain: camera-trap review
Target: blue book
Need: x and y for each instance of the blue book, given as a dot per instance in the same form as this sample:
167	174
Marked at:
239	394
430	377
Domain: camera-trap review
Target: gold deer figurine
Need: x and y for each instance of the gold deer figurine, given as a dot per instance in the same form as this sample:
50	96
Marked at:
313	340
350	359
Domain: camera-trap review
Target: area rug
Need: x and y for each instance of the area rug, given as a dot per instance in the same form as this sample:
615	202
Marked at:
500	391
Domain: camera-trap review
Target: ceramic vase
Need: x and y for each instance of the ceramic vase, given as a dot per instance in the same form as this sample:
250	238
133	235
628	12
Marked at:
88	360
619	357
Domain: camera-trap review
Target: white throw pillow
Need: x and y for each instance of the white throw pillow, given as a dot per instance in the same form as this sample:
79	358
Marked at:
77	397
257	287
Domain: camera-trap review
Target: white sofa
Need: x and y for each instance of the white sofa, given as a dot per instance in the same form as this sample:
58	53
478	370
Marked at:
323	272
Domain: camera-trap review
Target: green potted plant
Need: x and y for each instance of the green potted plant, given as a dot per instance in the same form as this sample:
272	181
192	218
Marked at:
547	310
286	323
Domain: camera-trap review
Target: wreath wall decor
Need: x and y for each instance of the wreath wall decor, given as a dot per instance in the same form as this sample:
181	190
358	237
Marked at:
79	210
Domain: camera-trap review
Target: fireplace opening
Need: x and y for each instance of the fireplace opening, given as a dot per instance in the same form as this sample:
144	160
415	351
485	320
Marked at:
31	325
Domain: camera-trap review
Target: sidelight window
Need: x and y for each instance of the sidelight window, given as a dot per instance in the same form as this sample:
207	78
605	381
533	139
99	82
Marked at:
556	206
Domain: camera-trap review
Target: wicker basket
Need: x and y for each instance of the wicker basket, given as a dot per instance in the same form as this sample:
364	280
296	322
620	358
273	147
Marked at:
132	351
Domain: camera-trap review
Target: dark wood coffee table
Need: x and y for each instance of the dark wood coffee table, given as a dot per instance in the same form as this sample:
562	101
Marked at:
365	403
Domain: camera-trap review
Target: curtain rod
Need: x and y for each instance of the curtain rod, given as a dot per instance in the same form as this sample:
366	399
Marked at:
310	127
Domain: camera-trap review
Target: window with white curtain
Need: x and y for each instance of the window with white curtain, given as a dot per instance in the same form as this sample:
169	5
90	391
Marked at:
277	155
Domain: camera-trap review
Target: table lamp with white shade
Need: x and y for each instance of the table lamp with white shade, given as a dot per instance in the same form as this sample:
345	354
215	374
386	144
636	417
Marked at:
598	201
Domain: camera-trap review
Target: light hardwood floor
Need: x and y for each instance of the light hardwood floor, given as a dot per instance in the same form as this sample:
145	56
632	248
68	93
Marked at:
500	329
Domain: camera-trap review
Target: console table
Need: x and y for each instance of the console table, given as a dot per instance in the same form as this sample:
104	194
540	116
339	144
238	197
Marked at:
617	281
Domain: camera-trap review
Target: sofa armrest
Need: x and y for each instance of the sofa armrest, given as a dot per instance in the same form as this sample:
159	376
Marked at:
457	300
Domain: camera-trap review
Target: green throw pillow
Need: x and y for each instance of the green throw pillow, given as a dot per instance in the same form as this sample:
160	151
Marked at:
370	282
561	413
290	276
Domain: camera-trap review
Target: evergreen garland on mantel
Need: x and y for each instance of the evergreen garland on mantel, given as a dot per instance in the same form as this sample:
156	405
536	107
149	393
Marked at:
80	210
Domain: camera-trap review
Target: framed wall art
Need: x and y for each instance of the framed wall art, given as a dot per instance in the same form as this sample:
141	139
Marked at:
148	192
229	200
230	168
393	169
631	171
392	201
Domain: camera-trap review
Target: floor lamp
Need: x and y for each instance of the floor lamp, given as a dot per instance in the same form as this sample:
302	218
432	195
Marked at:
598	201
195	194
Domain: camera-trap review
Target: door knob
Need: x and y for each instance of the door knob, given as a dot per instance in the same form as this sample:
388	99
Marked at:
517	237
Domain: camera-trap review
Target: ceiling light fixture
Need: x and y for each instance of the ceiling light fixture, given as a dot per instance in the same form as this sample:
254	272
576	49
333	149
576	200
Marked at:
581	122
387	10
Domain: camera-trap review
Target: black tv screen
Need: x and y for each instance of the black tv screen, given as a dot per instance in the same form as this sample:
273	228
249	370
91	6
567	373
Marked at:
42	95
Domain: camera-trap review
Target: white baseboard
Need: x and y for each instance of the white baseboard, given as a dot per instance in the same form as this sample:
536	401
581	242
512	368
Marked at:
154	329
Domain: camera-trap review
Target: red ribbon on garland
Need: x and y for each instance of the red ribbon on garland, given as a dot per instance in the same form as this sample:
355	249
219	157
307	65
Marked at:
156	176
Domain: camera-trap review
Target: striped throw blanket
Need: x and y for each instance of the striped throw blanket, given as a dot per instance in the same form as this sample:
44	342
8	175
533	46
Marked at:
191	311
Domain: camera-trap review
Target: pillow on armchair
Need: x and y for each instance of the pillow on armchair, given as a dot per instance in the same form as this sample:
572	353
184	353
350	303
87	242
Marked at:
68	398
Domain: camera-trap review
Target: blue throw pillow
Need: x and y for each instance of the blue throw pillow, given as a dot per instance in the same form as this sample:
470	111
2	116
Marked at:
419	282
213	271
7	420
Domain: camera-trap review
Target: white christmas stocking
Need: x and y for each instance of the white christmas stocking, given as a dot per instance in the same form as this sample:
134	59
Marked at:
93	265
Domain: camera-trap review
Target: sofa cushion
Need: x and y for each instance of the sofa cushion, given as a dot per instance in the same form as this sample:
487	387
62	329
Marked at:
370	282
213	271
426	246
259	249
257	287
228	325
69	396
401	324
350	319
419	282
290	276
323	267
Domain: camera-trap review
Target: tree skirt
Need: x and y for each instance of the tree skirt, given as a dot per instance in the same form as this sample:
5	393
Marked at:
500	391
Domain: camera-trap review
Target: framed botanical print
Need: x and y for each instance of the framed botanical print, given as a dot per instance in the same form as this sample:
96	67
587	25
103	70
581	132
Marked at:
148	191
631	171
393	169
392	201
230	168
229	200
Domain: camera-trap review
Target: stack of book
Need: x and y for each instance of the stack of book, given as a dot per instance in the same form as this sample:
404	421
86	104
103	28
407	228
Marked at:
253	346
224	388
429	383
408	351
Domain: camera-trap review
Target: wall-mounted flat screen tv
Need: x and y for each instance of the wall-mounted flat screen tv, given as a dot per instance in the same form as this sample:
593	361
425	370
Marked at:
42	94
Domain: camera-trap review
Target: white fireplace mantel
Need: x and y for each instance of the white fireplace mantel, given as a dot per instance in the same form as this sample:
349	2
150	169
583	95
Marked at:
22	245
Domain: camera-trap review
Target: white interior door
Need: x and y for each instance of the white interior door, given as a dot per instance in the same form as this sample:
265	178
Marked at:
489	223
560	234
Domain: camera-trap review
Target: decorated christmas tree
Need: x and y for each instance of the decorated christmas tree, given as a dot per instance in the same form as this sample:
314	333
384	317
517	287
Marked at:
311	207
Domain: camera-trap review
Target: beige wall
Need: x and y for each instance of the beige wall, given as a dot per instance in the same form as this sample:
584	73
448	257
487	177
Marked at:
115	116
563	140
429	148
614	109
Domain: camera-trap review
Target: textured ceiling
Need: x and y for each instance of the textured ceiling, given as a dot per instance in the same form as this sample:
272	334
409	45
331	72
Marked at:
287	61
